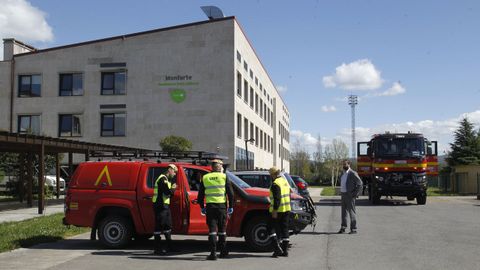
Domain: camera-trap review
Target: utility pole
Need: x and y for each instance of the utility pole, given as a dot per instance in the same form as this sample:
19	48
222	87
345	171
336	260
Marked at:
353	101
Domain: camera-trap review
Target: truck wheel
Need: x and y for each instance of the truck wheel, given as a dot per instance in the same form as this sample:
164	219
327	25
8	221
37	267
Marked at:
422	199
115	231
256	234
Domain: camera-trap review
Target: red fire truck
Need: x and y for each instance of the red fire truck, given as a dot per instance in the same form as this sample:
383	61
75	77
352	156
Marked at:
114	199
397	164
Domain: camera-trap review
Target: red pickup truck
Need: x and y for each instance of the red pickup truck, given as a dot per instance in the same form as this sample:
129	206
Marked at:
114	198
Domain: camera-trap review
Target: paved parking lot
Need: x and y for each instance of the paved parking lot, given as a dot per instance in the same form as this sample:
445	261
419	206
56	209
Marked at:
397	234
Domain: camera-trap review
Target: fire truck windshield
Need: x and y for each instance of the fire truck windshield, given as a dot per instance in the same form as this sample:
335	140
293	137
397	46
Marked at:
399	147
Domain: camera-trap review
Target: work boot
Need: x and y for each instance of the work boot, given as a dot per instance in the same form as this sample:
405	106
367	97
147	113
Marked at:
158	249
222	245
168	238
212	239
277	250
285	248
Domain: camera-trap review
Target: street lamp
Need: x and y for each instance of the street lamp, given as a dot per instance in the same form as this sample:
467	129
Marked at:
246	149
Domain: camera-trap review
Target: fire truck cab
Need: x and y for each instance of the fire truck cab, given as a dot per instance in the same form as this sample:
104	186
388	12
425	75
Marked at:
397	164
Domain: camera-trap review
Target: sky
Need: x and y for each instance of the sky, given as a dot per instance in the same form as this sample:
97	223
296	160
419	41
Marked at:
414	65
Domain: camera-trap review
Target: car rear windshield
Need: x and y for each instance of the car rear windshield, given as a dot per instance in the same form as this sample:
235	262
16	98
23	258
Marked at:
237	181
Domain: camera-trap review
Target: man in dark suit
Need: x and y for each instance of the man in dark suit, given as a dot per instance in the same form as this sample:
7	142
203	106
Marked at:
350	188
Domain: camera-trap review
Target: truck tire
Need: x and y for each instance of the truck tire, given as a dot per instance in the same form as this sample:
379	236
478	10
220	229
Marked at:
256	234
422	199
115	231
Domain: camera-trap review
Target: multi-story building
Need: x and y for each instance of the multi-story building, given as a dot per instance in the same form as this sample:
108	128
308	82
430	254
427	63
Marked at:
202	81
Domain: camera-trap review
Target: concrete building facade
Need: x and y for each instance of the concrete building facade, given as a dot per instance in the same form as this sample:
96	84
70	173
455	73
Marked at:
202	81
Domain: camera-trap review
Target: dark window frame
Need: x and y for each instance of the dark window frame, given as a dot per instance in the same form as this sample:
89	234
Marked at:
113	88
28	92
70	88
72	125
102	120
30	124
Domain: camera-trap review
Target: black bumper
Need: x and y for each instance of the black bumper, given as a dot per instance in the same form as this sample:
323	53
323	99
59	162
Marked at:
299	220
401	190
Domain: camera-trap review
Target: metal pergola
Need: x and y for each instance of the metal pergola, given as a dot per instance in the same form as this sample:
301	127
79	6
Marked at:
31	145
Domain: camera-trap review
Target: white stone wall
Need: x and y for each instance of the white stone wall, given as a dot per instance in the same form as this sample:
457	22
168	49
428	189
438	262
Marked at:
263	158
4	95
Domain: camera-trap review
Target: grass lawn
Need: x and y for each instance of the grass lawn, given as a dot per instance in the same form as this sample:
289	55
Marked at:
35	231
328	191
435	191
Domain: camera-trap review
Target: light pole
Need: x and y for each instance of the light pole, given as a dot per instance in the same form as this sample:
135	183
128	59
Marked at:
246	150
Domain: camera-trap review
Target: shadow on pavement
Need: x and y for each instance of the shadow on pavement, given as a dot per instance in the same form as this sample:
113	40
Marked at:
366	202
318	233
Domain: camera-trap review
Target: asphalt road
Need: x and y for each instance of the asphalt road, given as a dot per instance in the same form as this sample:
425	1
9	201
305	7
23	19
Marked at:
398	234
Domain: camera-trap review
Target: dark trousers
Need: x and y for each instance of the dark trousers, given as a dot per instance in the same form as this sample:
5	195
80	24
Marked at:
279	226
217	223
348	207
163	225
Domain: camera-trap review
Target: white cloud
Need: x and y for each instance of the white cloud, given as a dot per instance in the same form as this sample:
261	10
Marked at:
441	131
358	75
396	89
22	21
282	89
326	108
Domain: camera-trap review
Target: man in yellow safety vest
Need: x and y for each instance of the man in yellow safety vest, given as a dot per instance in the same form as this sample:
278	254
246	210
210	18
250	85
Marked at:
279	212
215	188
162	191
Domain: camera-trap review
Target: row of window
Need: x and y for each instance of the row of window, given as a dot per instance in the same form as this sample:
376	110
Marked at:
262	139
70	125
245	67
72	84
257	104
283	132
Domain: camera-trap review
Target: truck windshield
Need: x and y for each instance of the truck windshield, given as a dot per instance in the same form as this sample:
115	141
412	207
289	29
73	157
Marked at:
400	147
236	180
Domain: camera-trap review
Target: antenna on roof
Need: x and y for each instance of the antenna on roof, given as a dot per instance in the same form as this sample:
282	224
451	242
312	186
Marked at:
212	12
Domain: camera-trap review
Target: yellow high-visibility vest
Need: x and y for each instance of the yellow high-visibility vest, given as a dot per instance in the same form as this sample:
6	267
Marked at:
214	184
284	193
165	198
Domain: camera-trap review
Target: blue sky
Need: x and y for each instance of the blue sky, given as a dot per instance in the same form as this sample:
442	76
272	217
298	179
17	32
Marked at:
413	64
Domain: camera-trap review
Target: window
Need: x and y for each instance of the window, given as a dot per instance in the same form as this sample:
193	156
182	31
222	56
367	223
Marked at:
113	83
271	145
251	131
256	136
245	66
256	81
245	91
239	57
265	112
239	84
251	74
239	125
194	177
29	124
113	124
154	173
265	141
245	128
71	84
261	108
251	97
256	102
29	85
69	125
261	139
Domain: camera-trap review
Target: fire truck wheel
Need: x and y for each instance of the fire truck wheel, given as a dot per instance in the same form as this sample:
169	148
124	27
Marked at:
422	199
256	234
115	231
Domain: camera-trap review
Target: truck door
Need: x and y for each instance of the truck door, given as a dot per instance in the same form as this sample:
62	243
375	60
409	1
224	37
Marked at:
432	160
364	160
197	223
148	176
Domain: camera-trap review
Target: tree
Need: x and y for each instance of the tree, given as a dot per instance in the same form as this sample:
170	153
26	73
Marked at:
465	149
335	153
300	160
175	144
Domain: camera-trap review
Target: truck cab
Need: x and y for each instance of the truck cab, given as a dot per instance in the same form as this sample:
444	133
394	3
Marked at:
114	198
397	164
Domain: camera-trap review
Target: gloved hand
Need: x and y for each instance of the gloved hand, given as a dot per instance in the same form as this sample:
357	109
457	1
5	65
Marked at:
230	210
204	211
